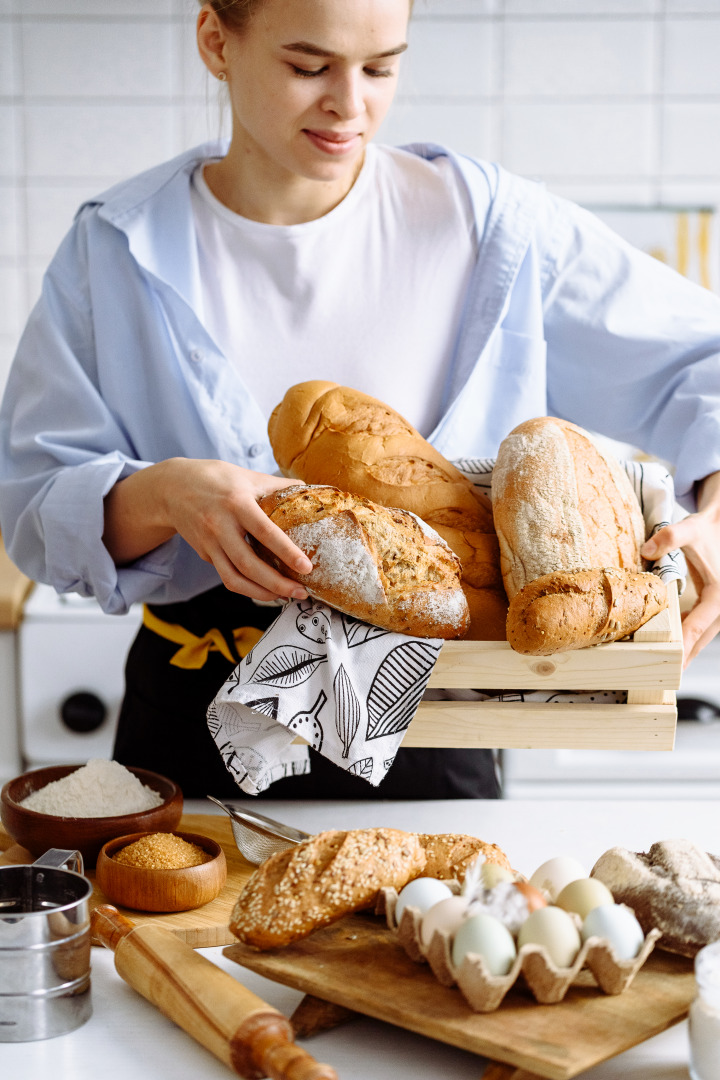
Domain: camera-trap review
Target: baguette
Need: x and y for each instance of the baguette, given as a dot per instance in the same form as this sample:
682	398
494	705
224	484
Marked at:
324	433
381	565
561	503
574	609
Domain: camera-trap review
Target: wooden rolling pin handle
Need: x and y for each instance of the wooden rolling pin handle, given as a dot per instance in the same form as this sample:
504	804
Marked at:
205	1001
262	1048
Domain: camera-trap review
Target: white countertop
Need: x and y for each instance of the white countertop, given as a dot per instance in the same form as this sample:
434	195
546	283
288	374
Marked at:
127	1037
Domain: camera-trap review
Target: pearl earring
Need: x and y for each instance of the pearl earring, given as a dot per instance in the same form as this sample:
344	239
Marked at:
222	76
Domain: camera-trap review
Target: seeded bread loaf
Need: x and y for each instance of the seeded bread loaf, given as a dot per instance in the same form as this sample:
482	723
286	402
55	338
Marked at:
324	433
560	502
384	566
571	610
330	875
675	886
335	873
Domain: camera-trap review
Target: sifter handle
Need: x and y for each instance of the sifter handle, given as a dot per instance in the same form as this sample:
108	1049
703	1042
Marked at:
239	1028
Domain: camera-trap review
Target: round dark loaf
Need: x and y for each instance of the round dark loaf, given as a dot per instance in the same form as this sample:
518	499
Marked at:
381	565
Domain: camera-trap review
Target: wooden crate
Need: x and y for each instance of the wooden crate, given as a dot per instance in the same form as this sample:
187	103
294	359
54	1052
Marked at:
649	667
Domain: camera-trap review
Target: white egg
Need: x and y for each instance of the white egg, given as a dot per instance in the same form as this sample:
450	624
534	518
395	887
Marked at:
618	925
555	930
485	936
583	895
444	916
421	893
555	874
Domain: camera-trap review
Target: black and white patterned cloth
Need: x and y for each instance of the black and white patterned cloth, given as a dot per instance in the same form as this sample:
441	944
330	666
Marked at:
351	689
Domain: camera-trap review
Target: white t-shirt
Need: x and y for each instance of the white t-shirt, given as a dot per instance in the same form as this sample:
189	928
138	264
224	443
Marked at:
369	295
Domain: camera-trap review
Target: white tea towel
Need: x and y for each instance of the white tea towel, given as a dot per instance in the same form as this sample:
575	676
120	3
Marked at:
348	688
351	689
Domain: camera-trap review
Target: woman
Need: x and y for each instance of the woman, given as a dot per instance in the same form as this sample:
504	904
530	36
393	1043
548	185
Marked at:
184	302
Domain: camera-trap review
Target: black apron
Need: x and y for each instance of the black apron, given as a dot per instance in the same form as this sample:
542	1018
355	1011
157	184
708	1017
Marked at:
162	724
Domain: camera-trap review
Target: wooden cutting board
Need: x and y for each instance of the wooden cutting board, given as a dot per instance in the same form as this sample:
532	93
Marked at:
357	964
202	927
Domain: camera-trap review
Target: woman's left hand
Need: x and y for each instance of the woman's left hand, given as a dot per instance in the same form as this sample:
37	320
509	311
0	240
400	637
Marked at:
699	537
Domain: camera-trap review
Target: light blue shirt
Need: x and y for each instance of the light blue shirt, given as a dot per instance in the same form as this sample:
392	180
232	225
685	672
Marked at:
115	369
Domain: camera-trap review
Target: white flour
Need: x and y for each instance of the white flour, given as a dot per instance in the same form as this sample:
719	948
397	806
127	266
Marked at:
98	789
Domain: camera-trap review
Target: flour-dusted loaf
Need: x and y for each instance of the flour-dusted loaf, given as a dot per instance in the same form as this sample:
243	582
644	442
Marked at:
330	875
573	609
335	873
324	433
561	502
675	886
381	565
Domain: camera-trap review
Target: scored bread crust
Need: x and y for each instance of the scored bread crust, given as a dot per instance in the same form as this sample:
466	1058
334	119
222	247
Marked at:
560	502
675	886
572	610
449	855
337	872
381	565
330	875
324	433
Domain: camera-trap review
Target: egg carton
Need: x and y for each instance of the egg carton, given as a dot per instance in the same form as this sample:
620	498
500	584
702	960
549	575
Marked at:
483	991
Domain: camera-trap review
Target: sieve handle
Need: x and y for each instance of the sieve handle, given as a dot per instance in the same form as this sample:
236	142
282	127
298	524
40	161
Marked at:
239	1028
61	859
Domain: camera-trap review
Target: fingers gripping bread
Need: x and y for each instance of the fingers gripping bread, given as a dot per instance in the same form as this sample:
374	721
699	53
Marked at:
561	503
572	610
380	565
322	879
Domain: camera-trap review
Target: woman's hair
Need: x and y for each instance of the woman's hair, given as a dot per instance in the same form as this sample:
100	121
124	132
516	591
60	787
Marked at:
237	13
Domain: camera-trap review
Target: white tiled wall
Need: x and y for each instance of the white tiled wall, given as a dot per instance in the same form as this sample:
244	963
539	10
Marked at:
609	101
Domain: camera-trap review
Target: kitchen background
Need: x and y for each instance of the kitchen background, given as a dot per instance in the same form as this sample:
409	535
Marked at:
613	103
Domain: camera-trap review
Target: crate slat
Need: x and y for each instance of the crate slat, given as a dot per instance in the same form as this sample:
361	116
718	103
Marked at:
525	725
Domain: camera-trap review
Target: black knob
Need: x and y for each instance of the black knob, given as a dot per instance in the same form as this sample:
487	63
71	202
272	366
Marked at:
83	711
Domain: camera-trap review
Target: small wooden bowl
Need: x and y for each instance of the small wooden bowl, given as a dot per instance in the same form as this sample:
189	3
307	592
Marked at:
142	889
39	832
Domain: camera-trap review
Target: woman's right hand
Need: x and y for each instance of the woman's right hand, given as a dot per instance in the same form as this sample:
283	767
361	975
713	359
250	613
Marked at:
212	505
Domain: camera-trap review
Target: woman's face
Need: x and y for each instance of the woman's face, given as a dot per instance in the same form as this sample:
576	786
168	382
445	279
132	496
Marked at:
310	81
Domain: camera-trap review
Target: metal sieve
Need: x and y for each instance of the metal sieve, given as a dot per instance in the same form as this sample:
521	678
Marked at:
258	837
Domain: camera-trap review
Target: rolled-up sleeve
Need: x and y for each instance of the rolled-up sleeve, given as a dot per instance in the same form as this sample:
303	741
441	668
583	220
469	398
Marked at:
62	449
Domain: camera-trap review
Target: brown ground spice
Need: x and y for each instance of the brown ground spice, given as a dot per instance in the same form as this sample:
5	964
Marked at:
162	851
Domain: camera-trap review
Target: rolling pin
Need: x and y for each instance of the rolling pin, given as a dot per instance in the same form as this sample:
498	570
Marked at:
238	1027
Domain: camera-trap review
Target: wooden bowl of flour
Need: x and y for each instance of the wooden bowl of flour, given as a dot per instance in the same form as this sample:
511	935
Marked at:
38	832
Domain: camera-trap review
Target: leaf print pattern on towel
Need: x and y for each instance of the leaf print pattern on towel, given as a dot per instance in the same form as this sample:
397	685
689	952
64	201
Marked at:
359	633
287	665
347	709
363	767
398	686
307	724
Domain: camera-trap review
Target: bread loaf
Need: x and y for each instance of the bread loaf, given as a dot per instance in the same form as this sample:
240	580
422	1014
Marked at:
574	609
381	565
330	875
561	503
675	886
334	873
324	433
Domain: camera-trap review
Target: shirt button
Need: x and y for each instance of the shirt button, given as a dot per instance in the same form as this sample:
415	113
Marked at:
196	355
256	450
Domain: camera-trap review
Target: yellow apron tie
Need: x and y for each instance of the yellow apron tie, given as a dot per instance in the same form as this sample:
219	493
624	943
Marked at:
194	650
